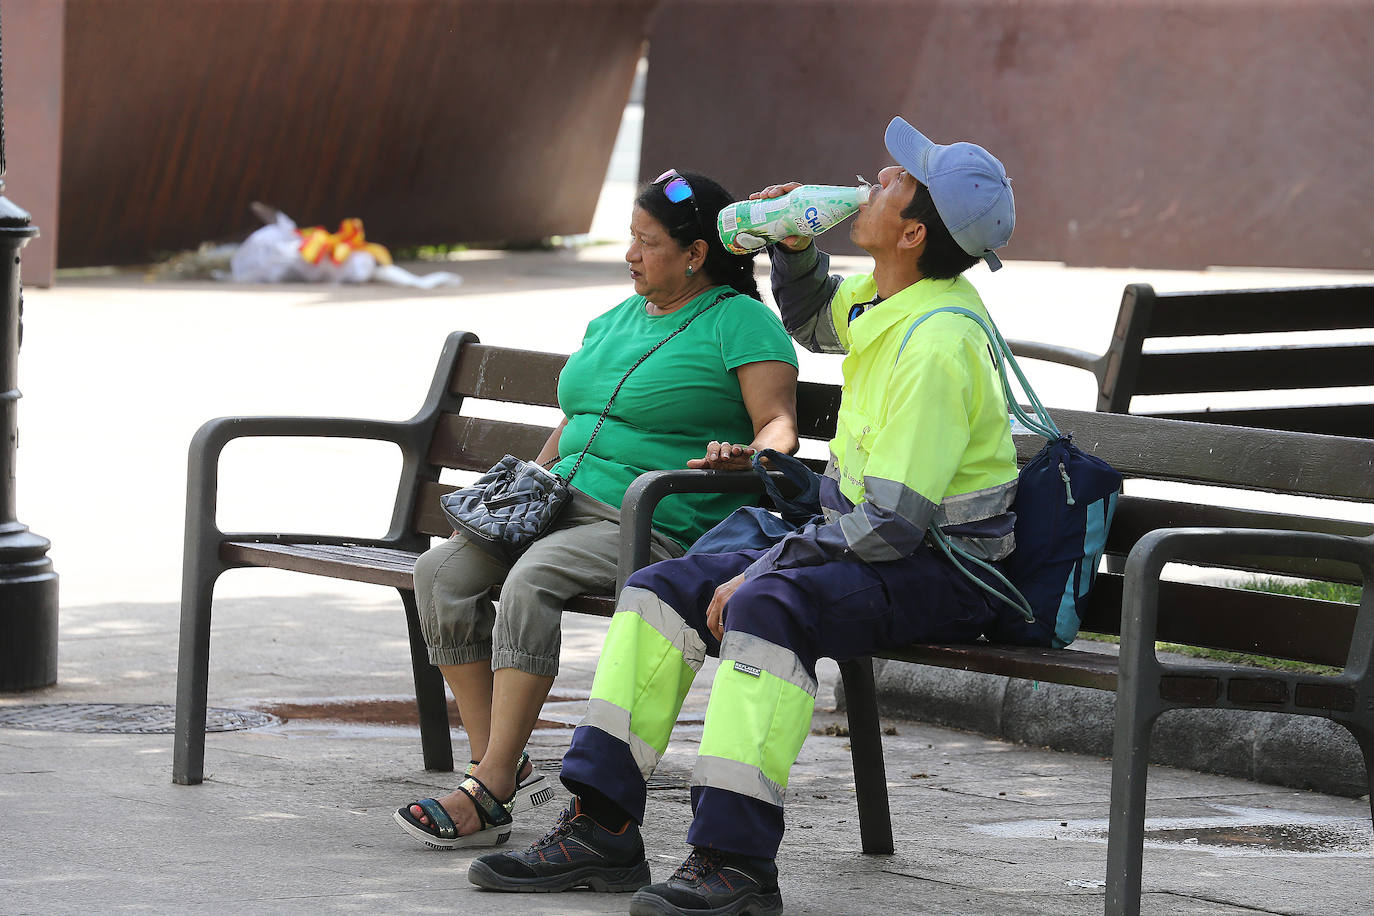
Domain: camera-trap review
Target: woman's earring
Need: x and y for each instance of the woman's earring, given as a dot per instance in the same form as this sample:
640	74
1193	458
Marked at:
690	270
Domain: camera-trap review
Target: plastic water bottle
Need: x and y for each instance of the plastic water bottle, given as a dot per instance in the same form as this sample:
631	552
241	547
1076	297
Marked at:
808	210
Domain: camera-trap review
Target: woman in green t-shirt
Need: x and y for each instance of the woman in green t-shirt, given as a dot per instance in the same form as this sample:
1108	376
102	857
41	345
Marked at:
722	388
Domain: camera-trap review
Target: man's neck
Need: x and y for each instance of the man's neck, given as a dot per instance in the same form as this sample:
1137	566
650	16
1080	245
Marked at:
892	275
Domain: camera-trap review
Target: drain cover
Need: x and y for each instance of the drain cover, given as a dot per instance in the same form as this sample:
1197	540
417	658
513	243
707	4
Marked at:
123	718
1234	831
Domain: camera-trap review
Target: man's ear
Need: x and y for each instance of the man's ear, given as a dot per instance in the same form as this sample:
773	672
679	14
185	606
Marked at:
913	235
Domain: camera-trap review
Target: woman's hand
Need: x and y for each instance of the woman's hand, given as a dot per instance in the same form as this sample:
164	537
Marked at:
715	611
724	456
792	242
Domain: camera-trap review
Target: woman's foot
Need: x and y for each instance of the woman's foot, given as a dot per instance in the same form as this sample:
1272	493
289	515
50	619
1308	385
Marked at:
460	807
471	815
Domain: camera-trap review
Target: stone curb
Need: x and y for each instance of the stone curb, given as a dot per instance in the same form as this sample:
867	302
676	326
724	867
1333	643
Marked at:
1301	752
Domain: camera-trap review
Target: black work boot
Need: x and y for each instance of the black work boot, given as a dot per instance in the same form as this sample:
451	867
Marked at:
713	883
577	852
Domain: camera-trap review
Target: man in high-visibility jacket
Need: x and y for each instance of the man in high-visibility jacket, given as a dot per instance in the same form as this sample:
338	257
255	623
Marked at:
923	440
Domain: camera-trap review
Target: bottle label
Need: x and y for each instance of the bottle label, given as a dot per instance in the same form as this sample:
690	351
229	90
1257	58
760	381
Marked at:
808	210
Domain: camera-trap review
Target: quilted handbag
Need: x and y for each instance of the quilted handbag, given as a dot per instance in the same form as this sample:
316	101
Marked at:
509	507
513	504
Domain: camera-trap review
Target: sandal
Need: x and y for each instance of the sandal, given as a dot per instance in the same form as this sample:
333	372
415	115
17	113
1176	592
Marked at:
442	833
529	794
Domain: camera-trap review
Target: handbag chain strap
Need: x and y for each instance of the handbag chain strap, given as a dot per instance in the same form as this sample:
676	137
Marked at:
605	413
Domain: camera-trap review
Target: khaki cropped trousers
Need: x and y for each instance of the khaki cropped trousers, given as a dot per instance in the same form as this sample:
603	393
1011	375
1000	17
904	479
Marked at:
453	580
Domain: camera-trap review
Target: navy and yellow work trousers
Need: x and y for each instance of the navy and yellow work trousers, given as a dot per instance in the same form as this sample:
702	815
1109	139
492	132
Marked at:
776	626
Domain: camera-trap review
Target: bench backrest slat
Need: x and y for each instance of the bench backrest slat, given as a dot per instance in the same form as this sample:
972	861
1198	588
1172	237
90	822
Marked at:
1136	517
429	518
1251	459
1237	620
476	443
500	374
818	406
1326	419
1261	311
1256	369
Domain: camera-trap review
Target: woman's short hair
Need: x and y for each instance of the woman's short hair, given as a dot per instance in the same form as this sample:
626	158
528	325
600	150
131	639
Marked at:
942	259
686	223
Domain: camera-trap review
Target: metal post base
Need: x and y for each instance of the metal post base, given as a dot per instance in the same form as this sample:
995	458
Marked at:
28	611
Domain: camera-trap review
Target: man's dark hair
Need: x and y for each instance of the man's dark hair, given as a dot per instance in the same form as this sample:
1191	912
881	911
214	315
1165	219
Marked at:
942	259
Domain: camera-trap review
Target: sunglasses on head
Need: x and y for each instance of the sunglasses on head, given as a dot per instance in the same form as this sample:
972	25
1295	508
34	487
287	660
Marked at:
676	189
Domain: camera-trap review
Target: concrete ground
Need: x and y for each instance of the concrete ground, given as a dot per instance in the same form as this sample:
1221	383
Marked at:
118	372
297	815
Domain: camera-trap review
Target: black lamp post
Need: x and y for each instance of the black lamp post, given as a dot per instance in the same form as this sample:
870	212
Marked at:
28	584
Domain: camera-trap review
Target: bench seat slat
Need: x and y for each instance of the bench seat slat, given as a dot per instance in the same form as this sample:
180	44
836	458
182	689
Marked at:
1060	666
362	563
358	563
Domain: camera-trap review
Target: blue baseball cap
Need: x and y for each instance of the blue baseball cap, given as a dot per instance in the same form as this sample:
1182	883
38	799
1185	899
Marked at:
970	188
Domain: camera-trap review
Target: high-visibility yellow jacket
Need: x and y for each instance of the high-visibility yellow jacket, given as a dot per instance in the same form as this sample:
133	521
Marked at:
922	436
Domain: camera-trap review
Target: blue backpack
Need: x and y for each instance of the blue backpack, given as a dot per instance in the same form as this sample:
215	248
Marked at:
1064	503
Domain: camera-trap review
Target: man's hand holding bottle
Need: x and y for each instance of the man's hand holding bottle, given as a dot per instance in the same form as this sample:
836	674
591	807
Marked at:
792	242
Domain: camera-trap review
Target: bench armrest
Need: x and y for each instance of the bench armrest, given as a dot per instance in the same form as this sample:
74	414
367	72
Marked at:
202	473
648	490
1144	565
1066	356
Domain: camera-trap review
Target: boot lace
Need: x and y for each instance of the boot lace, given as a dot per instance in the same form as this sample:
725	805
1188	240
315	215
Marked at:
561	828
699	864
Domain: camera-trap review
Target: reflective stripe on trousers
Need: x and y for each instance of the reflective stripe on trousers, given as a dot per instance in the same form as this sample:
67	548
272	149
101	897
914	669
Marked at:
759	715
648	663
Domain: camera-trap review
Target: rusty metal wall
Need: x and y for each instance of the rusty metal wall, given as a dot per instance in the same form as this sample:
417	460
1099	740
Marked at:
433	120
1159	133
33	124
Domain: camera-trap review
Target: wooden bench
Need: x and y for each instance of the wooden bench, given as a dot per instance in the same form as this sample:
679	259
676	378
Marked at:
1152	527
1127	369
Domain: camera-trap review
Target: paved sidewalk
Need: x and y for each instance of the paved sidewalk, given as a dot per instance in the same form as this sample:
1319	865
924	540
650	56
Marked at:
297	816
118	373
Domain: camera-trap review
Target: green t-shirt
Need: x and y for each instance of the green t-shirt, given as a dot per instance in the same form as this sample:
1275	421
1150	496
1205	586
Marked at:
679	399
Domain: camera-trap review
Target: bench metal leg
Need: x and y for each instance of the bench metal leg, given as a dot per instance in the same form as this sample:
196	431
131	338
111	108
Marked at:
866	747
1365	736
193	674
430	699
1135	719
